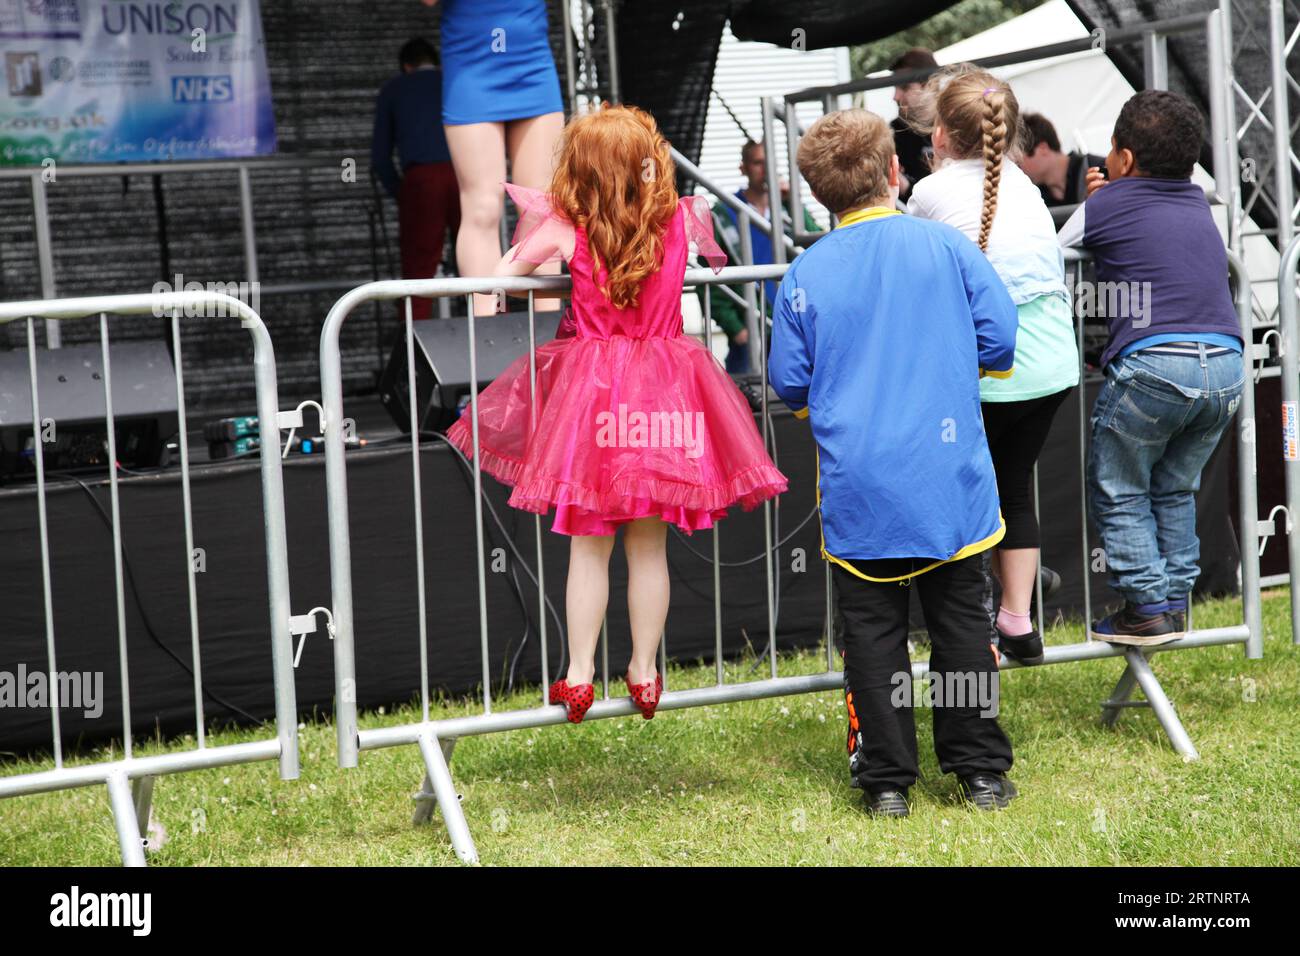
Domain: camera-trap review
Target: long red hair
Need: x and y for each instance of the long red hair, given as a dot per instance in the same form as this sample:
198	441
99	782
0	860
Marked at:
615	178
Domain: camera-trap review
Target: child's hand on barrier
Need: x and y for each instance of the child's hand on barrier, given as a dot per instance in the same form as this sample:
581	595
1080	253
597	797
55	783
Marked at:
1095	179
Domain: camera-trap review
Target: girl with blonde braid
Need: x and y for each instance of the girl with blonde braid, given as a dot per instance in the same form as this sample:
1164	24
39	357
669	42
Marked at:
974	121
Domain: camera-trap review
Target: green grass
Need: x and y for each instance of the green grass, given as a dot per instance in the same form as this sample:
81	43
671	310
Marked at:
759	783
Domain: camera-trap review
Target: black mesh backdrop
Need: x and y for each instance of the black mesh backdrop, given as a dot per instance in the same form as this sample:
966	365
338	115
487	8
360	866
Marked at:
1189	72
828	23
666	55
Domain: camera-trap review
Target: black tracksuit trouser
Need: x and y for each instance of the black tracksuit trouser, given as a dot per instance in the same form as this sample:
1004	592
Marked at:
957	599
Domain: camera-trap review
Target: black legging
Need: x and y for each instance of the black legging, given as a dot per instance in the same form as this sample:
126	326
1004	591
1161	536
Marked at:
1016	432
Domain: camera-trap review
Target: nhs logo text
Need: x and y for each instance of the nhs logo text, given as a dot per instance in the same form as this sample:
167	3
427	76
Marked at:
202	89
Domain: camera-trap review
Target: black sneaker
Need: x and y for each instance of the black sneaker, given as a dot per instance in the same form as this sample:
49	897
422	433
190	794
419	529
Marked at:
987	791
886	803
1025	648
1139	625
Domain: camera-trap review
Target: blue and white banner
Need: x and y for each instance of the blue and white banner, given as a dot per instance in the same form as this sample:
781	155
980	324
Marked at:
96	81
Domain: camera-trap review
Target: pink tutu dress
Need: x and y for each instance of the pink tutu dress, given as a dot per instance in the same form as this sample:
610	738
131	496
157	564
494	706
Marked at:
633	418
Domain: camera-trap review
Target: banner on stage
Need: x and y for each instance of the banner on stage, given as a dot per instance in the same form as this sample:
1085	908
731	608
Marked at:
107	81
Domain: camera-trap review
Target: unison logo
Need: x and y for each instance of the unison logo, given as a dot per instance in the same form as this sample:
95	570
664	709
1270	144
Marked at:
73	689
103	909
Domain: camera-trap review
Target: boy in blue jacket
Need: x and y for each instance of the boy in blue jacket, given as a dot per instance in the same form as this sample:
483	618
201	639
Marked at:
881	331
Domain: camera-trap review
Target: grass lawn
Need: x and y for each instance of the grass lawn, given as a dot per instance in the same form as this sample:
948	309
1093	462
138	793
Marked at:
760	783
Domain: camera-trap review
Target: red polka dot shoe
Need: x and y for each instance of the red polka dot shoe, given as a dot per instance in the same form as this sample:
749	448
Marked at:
577	699
646	696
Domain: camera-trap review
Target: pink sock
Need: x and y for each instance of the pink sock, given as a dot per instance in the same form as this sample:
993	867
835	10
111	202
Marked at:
1013	625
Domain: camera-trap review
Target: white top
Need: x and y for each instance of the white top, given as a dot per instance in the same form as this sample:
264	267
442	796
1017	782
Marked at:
1023	246
1024	251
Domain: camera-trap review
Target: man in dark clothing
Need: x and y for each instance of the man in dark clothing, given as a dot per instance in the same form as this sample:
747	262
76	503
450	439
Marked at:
1060	177
914	150
408	115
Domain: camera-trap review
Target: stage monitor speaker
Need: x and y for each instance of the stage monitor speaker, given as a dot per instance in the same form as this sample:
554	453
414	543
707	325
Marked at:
72	429
442	379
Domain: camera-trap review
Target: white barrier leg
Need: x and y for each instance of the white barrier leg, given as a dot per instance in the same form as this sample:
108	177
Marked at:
448	800
424	800
1113	706
1164	709
142	797
124	818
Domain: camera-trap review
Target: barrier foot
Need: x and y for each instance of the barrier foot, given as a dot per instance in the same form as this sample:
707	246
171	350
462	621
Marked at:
124	818
1113	706
1164	709
152	833
439	776
142	795
424	800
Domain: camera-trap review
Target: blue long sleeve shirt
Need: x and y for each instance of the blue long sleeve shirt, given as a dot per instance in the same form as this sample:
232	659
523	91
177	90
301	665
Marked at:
881	331
408	115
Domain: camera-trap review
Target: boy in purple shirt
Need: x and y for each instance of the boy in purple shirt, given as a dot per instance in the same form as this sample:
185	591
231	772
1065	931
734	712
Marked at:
1173	360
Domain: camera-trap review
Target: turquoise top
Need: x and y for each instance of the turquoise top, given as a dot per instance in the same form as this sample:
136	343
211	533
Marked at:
1047	357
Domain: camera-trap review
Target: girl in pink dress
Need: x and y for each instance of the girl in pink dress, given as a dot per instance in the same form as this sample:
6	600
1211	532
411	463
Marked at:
635	424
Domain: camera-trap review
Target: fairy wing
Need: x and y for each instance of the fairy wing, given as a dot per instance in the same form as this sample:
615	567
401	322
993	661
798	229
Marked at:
543	234
699	231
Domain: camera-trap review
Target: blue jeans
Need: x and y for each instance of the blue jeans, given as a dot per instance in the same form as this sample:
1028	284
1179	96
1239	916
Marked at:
1156	422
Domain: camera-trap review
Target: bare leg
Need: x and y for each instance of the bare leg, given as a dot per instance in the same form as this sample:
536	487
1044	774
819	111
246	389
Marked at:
478	154
586	595
1018	573
645	542
533	145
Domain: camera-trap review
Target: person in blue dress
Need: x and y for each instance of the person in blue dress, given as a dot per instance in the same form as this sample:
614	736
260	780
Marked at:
500	97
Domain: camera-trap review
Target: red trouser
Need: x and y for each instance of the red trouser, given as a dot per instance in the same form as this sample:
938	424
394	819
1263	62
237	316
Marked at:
428	204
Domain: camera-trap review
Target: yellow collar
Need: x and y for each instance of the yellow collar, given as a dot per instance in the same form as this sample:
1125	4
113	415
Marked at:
865	215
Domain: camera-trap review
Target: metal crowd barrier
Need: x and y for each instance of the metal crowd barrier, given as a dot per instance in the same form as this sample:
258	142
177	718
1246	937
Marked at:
1290	341
436	738
130	780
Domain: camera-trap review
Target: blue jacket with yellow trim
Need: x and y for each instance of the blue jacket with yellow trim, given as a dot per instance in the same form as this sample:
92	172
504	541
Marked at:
881	331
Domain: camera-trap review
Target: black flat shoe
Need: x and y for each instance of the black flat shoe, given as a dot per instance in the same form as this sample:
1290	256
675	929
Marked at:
1025	648
886	803
987	791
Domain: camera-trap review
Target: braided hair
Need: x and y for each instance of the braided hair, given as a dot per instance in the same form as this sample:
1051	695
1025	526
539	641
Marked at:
982	118
993	129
